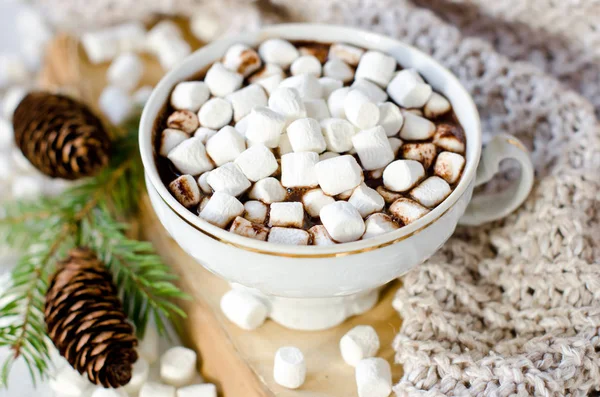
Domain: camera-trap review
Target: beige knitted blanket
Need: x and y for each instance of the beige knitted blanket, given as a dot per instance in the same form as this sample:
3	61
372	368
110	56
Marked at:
511	308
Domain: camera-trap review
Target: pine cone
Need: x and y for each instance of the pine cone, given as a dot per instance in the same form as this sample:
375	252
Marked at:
86	322
60	136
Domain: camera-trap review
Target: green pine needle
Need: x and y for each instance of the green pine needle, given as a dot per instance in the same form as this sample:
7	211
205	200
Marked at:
92	214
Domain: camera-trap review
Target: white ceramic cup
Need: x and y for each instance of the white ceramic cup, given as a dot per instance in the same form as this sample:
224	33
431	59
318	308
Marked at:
316	287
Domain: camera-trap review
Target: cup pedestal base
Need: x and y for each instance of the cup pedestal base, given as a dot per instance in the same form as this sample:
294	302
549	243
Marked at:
316	313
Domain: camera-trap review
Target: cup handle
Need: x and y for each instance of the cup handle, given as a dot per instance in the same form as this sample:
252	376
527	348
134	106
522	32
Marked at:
490	207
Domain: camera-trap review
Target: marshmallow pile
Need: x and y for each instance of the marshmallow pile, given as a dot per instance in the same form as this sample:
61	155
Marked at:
287	145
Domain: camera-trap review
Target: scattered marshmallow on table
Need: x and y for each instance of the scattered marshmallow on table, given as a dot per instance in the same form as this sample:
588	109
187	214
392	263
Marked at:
449	166
342	221
338	134
347	53
265	126
243	309
317	109
338	174
257	162
431	191
126	71
388	195
116	104
222	81
288	214
186	190
298	169
403	175
215	113
416	128
287	102
268	190
370	89
308	85
436	106
390	118
155	389
229	179
319	236
448	137
169	139
242	59
339	70
377	67
336	101
359	343
360	110
148	346
288	236
305	136
221	209
278	51
245	228
205	133
328	85
255	211
408	89
139	376
205	26
378	224
183	120
245	99
373	148
142	95
190	95
422	152
314	200
201	390
407	210
171	54
306	64
161	34
373	377
225	146
289	369
366	200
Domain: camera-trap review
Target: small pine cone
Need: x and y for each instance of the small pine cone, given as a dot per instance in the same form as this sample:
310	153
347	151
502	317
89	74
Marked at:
86	322
60	136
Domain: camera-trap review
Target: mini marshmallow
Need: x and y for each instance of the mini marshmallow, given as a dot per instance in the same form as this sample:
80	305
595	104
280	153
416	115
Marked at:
408	89
242	126
336	102
370	89
205	26
173	52
229	179
308	86
403	175
255	211
155	389
115	104
416	128
314	200
268	190
190	95
288	236
245	228
339	70
360	110
377	67
278	51
449	137
289	214
216	113
373	148
395	144
287	102
161	35
242	59
342	221
375	174
436	106
139	376
319	236
328	155
416	112
243	309
169	139
142	95
126	71
221	209
205	134
257	162
202	390
422	152
347	53
359	343
390	118
319	51
222	81
378	224
366	200
285	146
203	184
265	126
270	84
306	64
244	100
388	195
373	378
186	190
203	202
431	191
338	134
148	346
102	392
69	382
225	146
289	369
100	46
345	195
298	169
305	136
338	174
183	120
448	166
407	210
329	85
317	109
268	70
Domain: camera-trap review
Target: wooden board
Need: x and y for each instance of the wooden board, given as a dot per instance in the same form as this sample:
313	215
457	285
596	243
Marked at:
238	361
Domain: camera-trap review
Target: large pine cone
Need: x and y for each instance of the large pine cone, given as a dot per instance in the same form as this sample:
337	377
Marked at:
60	136
86	322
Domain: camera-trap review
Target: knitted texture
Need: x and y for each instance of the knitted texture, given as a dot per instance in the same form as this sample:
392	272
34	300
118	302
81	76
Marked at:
513	307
